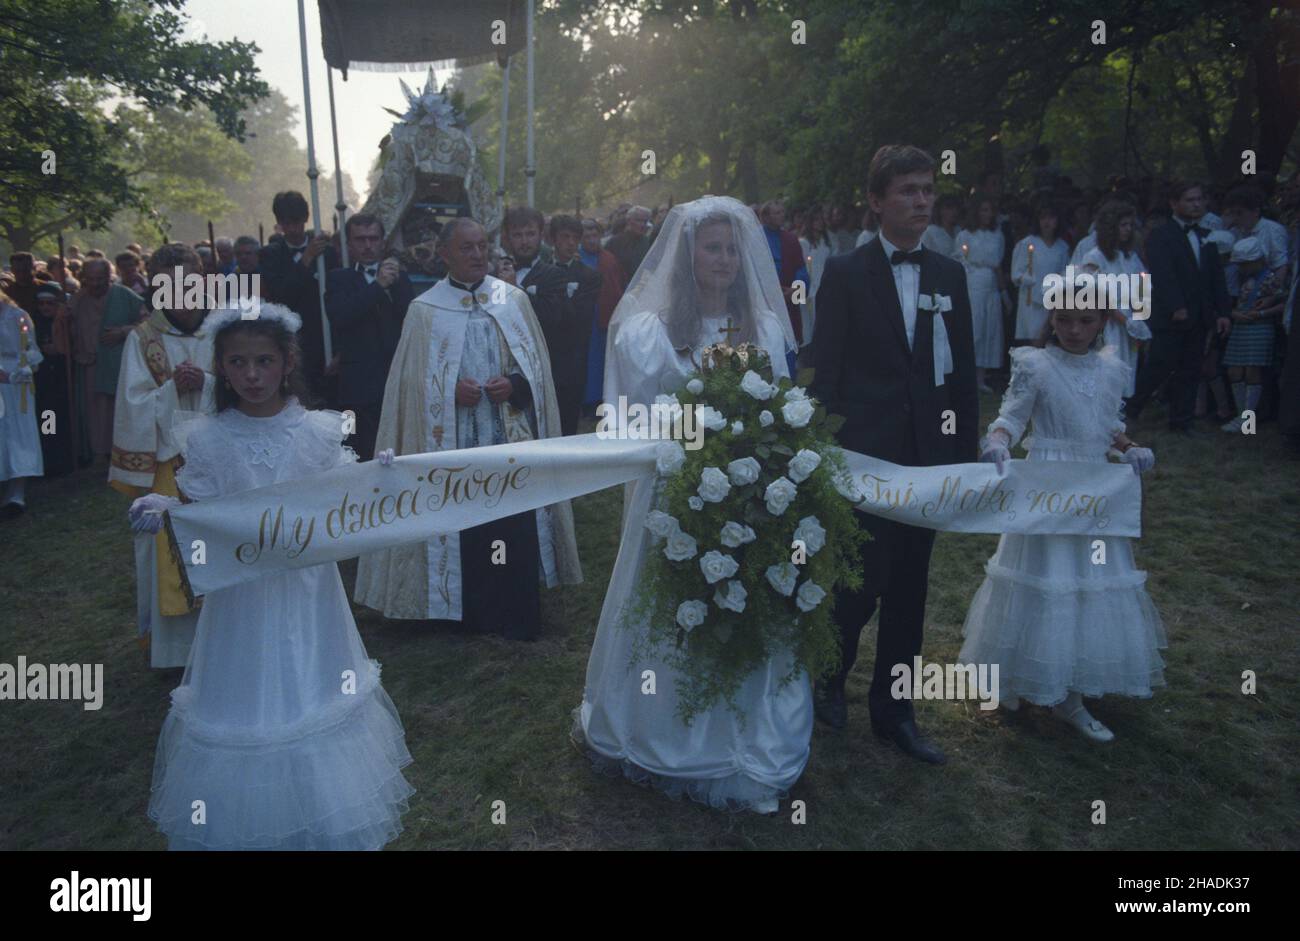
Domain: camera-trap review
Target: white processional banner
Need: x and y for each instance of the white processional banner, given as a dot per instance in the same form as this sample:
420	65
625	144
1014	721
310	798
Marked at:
361	508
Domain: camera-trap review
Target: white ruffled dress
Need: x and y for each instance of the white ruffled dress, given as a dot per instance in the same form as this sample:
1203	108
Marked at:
1051	619
280	725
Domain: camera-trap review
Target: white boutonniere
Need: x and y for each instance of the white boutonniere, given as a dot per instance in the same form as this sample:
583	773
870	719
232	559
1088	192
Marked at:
531	289
934	302
937	304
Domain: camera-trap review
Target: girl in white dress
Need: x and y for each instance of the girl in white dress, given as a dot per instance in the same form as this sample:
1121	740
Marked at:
710	263
1058	626
285	751
980	248
1115	253
20	440
1050	255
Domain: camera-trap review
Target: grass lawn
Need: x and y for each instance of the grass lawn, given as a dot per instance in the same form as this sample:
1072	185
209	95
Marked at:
1200	766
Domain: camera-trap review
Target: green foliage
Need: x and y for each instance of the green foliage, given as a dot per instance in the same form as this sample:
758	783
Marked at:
63	60
713	659
731	105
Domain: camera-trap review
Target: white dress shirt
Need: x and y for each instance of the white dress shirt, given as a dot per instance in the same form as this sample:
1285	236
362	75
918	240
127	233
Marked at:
1192	238
907	282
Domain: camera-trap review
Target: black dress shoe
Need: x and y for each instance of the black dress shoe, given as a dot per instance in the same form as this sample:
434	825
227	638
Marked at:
909	739
829	705
12	510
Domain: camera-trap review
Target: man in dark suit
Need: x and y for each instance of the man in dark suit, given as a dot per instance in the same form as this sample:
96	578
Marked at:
875	357
1189	302
584	287
550	292
366	304
288	269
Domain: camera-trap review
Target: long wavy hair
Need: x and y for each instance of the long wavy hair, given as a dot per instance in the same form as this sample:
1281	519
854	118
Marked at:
683	320
286	341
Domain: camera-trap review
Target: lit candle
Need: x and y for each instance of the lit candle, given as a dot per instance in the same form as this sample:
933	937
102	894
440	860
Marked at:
22	362
1029	271
965	251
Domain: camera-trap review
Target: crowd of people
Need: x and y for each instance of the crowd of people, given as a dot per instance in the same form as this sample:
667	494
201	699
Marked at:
1217	356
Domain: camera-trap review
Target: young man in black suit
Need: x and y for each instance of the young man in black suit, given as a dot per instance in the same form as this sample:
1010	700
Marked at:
1189	302
366	304
567	332
583	286
876	360
288	269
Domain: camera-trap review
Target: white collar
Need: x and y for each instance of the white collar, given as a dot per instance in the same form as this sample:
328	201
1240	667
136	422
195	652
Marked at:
446	296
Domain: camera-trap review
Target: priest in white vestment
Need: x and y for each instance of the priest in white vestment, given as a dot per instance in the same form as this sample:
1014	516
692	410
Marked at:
471	370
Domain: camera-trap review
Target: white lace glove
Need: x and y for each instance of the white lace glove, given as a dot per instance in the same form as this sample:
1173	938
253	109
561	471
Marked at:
995	451
146	512
1140	459
385	457
21	375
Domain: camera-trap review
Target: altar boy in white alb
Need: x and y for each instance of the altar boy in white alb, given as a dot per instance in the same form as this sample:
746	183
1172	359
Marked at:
471	370
166	378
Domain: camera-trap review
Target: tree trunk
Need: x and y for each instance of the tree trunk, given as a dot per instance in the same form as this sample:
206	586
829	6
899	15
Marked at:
1278	90
1237	136
747	172
719	151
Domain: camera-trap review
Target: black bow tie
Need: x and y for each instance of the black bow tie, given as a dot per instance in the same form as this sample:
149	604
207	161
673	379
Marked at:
901	257
1193	227
471	288
369	270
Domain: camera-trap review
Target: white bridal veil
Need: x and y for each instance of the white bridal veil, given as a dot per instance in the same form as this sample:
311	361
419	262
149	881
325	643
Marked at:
664	287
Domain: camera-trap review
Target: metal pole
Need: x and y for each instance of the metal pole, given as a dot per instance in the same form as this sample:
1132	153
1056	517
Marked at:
341	206
501	150
312	174
530	170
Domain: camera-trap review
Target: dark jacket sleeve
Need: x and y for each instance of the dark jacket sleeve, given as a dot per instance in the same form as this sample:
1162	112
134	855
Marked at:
521	393
965	393
1167	291
829	339
348	299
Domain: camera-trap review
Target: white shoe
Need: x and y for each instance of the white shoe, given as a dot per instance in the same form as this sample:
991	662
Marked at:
1084	721
1232	426
1010	704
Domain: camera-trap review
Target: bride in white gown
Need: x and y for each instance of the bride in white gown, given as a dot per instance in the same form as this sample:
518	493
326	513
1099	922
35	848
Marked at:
709	263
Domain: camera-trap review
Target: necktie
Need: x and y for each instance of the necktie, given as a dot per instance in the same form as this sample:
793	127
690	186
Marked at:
901	257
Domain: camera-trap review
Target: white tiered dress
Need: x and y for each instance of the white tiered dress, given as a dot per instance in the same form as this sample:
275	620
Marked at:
1053	621
264	728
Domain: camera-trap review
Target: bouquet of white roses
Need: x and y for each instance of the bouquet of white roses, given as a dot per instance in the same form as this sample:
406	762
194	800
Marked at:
755	532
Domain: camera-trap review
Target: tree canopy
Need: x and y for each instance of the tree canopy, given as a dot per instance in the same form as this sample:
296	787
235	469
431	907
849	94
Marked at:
75	76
